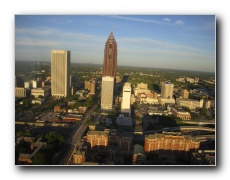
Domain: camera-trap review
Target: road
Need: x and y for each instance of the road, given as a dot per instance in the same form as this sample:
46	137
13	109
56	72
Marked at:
74	138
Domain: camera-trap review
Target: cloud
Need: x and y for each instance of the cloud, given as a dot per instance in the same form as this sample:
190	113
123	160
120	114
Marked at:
207	26
178	22
50	33
167	19
148	43
138	19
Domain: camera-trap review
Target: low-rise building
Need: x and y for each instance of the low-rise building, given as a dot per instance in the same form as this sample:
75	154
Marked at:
138	155
60	108
44	92
78	156
125	123
35	147
180	113
98	139
189	103
164	101
21	92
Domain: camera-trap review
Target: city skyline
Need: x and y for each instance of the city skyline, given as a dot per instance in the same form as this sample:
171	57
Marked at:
158	41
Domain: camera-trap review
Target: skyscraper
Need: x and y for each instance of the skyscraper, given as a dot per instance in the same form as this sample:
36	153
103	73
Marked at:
60	73
110	57
126	98
167	90
109	72
107	89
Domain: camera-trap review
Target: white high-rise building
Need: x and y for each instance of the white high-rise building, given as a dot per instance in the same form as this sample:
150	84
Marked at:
107	89
34	84
60	73
126	98
27	85
167	90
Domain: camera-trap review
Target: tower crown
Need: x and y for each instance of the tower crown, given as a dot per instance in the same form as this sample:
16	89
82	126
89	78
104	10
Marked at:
111	39
111	36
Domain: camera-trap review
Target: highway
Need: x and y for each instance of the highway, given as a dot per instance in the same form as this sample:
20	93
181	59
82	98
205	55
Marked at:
211	122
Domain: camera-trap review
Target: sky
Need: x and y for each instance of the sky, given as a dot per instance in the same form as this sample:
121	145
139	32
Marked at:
184	42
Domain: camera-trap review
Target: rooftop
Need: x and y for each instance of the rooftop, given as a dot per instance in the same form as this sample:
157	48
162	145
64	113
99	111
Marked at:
98	133
125	121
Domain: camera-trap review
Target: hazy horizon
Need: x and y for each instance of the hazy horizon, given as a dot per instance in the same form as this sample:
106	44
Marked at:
119	66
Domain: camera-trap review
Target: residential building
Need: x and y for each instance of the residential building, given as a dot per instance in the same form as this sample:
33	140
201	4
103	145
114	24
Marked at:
170	145
60	73
167	90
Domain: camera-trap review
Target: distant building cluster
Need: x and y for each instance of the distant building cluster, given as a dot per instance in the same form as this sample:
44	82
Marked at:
188	79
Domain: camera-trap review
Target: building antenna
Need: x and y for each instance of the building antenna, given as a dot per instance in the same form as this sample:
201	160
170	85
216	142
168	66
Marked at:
112	29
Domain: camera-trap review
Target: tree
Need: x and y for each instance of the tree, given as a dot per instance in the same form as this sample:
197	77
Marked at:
54	138
203	111
40	159
40	96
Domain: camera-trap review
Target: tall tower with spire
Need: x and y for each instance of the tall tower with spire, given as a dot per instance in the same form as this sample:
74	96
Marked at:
109	73
110	57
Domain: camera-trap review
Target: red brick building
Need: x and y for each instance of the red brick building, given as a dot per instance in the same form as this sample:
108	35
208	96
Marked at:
111	141
124	142
98	139
79	157
166	145
60	108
